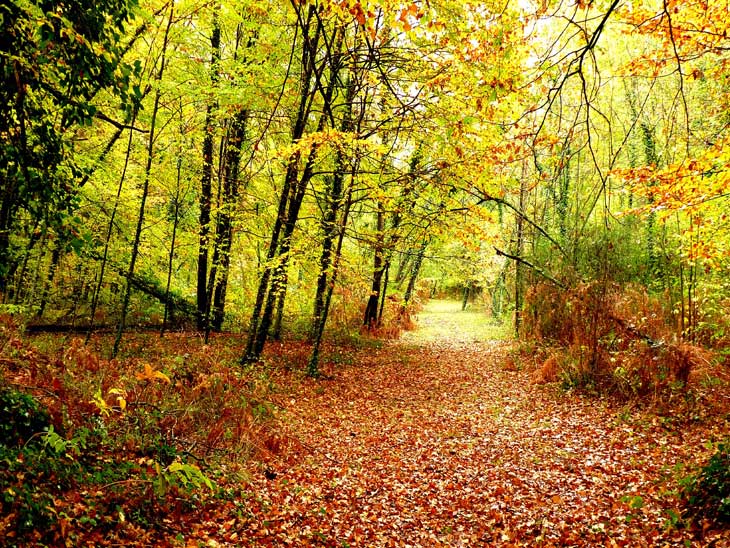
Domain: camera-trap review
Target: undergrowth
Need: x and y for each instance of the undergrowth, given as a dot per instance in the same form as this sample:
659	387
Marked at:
92	448
610	338
707	493
616	340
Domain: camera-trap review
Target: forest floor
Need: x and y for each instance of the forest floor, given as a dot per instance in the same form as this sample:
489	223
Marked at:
440	438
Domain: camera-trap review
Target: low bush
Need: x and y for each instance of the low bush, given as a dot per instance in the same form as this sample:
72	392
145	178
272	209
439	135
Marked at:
21	418
92	448
609	338
707	494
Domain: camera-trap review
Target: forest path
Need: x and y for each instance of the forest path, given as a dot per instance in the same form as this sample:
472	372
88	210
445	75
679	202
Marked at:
434	441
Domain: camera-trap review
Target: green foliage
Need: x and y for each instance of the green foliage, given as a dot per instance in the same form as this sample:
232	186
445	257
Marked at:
30	477
20	418
54	59
707	493
187	477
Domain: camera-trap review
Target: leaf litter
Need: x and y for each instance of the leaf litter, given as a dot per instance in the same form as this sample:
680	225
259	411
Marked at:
438	439
438	444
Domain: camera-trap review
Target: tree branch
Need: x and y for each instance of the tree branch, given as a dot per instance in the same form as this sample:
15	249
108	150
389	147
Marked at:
119	125
537	269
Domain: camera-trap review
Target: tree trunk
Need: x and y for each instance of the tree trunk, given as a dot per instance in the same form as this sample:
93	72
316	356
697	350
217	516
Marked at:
313	366
175	222
562	202
498	295
384	291
281	279
415	270
206	184
465	296
8	203
110	228
145	191
519	245
272	287
384	250
309	46
404	267
370	319
224	225
55	259
327	263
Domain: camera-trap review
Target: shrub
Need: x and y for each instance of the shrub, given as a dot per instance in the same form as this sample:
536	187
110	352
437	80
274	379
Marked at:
20	417
610	338
708	493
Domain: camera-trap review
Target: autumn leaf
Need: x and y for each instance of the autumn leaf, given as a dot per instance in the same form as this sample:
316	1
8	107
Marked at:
150	374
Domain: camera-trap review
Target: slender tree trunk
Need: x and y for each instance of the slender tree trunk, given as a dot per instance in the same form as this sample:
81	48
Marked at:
404	267
171	256
329	221
370	319
384	291
313	366
107	240
55	260
498	295
281	280
206	184
465	295
652	159
225	220
22	293
415	270
145	192
280	301
7	215
277	277
263	288
277	292
562	204
325	259
384	250
309	45
519	245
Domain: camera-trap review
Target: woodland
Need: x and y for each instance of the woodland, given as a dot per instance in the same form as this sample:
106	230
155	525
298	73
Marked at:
364	273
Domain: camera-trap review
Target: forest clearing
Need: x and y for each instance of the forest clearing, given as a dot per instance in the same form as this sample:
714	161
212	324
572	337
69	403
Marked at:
364	272
442	438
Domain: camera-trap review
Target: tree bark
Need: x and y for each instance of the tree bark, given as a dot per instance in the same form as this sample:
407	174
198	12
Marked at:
370	320
272	286
110	228
224	229
415	270
206	184
313	366
171	256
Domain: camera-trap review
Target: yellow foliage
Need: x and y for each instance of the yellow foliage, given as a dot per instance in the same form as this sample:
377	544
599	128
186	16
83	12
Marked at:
150	374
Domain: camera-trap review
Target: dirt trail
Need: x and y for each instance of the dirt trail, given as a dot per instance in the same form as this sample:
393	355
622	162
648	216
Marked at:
433	441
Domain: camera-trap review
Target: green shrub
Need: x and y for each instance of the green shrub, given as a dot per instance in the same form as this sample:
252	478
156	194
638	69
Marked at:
708	493
20	417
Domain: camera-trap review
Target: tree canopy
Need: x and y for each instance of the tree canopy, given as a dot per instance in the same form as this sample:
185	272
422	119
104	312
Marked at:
279	159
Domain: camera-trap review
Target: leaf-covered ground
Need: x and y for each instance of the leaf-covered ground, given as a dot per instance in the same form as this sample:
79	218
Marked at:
441	438
436	440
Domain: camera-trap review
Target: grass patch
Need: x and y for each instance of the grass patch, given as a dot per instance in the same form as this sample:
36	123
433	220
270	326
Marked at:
445	320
